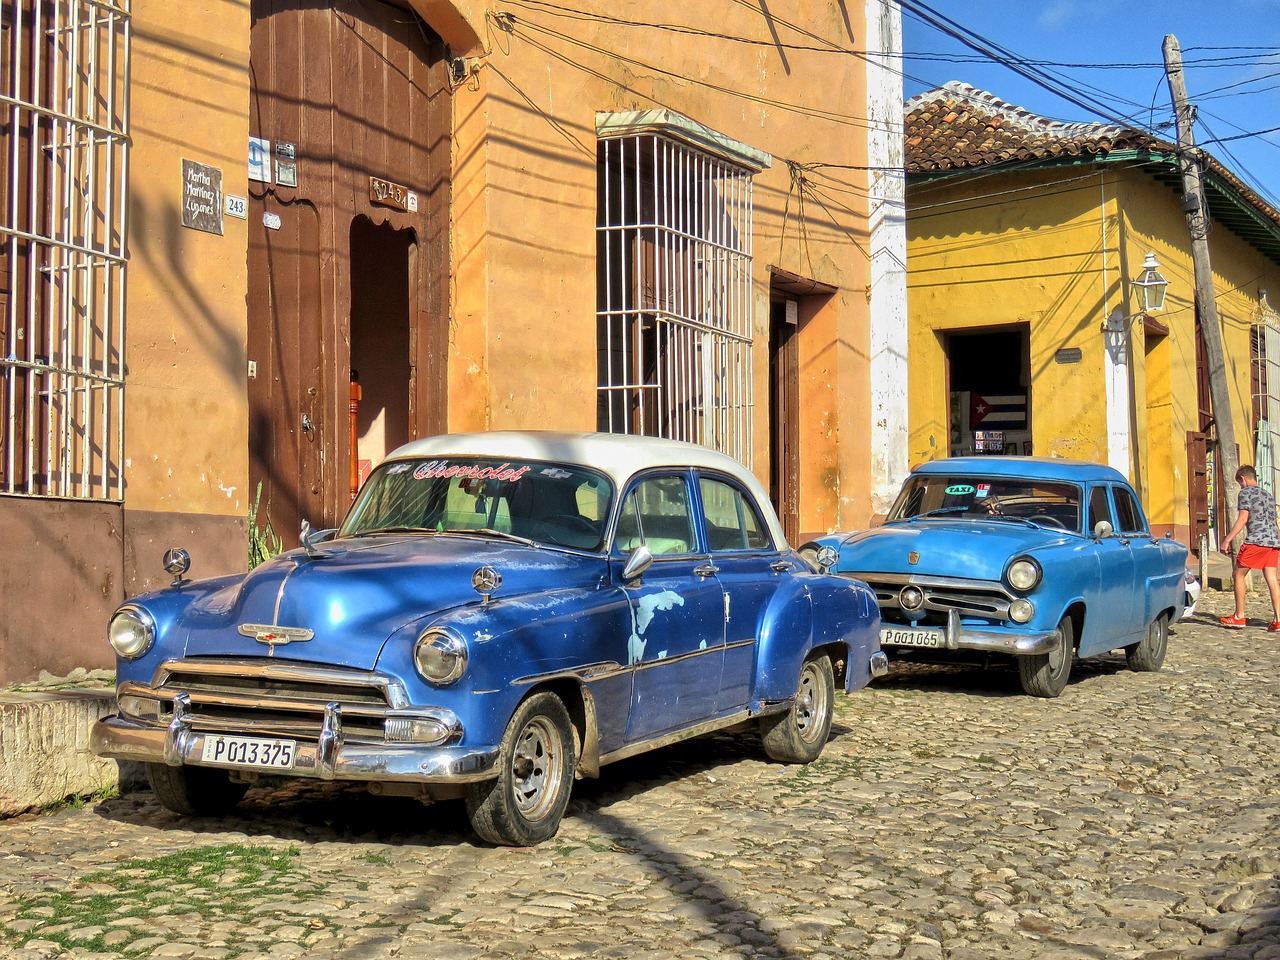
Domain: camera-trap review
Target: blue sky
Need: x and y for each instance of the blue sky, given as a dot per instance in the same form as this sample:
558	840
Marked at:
1110	36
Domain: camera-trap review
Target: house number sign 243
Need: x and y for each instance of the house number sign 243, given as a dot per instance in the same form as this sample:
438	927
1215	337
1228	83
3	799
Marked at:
388	194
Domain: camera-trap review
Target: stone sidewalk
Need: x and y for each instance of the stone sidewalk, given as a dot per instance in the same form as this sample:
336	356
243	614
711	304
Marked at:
950	817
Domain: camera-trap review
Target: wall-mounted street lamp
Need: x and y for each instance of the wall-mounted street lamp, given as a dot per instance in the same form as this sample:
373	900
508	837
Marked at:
1151	285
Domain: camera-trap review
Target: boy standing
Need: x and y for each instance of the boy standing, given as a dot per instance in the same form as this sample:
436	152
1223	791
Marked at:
1256	514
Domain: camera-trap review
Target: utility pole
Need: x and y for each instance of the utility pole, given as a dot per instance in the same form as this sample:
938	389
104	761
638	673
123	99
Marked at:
1197	212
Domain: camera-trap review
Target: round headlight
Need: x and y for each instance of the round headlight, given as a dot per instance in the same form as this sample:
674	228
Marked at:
1023	574
1021	610
131	632
440	656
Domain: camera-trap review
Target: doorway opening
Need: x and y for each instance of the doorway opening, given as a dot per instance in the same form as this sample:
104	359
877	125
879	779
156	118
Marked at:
990	410
381	371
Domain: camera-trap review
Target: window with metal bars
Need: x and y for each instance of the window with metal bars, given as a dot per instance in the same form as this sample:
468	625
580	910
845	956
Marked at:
64	87
673	292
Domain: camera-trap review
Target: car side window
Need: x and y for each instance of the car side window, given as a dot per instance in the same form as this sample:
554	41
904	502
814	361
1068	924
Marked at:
1099	508
733	523
1128	512
656	512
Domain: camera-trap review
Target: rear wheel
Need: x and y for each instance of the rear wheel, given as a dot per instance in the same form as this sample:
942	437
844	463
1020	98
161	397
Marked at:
536	762
194	791
799	734
1045	674
1147	655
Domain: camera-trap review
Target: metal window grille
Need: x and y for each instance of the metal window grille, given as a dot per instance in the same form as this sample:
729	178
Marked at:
674	297
64	82
1265	376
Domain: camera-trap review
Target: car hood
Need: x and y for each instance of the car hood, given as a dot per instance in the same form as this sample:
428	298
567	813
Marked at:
969	549
356	593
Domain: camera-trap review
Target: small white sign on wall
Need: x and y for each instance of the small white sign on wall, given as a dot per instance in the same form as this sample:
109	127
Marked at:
260	160
271	221
237	206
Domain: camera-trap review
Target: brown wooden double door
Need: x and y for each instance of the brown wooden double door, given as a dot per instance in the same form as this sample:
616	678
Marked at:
340	280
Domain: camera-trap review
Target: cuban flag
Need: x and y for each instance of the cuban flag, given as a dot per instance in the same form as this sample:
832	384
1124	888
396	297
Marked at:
1008	412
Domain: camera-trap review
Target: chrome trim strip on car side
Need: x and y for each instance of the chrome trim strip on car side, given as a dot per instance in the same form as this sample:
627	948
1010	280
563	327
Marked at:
588	673
124	740
666	739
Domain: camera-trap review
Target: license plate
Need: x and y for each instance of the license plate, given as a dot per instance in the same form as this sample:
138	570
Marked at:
913	637
248	752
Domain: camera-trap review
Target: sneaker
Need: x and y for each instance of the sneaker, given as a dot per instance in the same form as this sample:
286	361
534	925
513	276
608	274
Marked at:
1274	627
1237	622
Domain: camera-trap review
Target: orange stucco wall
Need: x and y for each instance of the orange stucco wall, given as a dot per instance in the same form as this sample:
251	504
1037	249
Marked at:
523	350
186	414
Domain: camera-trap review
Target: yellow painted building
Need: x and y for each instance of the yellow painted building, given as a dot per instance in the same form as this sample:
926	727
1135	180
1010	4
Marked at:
1025	237
637	217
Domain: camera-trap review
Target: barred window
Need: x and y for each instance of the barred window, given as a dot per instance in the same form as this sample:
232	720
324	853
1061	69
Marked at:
64	73
673	286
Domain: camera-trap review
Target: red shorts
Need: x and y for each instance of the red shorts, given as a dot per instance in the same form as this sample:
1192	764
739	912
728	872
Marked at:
1256	558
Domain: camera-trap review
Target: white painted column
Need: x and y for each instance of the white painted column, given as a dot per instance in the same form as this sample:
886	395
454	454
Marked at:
1116	373
887	193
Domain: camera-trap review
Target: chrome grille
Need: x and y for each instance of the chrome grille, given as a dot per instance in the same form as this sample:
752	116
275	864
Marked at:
280	699
985	599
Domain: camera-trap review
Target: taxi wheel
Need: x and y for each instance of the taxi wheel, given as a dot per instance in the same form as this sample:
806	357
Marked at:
194	791
799	734
1045	674
1147	655
536	762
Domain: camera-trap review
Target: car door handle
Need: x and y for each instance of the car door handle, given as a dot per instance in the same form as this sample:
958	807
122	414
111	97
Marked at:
780	566
706	570
1123	542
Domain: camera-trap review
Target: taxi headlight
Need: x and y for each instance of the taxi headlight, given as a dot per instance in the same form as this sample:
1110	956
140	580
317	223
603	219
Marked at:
440	656
1023	574
131	632
1021	610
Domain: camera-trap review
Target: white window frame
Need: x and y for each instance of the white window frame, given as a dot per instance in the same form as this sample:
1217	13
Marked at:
64	84
1265	359
675	298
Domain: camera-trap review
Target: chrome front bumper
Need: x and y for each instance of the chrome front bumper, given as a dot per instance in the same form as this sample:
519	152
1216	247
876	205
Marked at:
959	637
329	758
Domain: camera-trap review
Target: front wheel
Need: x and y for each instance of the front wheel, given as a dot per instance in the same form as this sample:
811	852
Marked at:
1045	674
799	734
1147	655
194	791
536	762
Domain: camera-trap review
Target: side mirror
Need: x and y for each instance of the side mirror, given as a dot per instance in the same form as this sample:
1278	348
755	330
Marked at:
639	561
827	558
1102	529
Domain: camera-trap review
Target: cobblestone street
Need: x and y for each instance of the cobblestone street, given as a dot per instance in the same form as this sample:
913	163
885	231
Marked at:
950	817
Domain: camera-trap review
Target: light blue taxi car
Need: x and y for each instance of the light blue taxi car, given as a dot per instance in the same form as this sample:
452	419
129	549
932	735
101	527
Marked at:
498	614
1036	559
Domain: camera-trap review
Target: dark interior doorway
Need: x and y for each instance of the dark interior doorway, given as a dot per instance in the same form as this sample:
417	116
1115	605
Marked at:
784	415
989	373
380	295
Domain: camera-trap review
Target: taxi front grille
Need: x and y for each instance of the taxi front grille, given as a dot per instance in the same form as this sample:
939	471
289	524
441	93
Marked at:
286	700
983	599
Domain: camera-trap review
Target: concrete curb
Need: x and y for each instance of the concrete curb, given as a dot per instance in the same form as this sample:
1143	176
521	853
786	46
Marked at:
44	749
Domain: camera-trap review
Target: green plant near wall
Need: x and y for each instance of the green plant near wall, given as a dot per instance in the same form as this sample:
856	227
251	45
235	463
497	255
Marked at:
263	541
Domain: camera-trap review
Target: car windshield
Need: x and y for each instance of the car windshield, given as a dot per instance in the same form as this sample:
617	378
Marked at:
545	503
974	496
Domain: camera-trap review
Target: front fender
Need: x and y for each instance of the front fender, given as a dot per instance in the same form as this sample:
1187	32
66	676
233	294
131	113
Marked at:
837	613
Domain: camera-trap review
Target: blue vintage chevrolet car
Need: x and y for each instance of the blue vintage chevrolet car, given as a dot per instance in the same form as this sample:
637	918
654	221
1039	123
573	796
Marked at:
497	615
1031	558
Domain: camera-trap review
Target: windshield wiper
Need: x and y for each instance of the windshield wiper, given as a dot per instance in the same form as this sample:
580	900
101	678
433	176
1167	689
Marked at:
397	529
490	532
939	512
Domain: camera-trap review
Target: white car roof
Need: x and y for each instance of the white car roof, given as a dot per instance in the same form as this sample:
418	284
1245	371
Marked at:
618	456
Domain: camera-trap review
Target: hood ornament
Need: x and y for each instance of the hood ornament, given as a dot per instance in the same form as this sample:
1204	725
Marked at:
913	557
273	635
485	581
